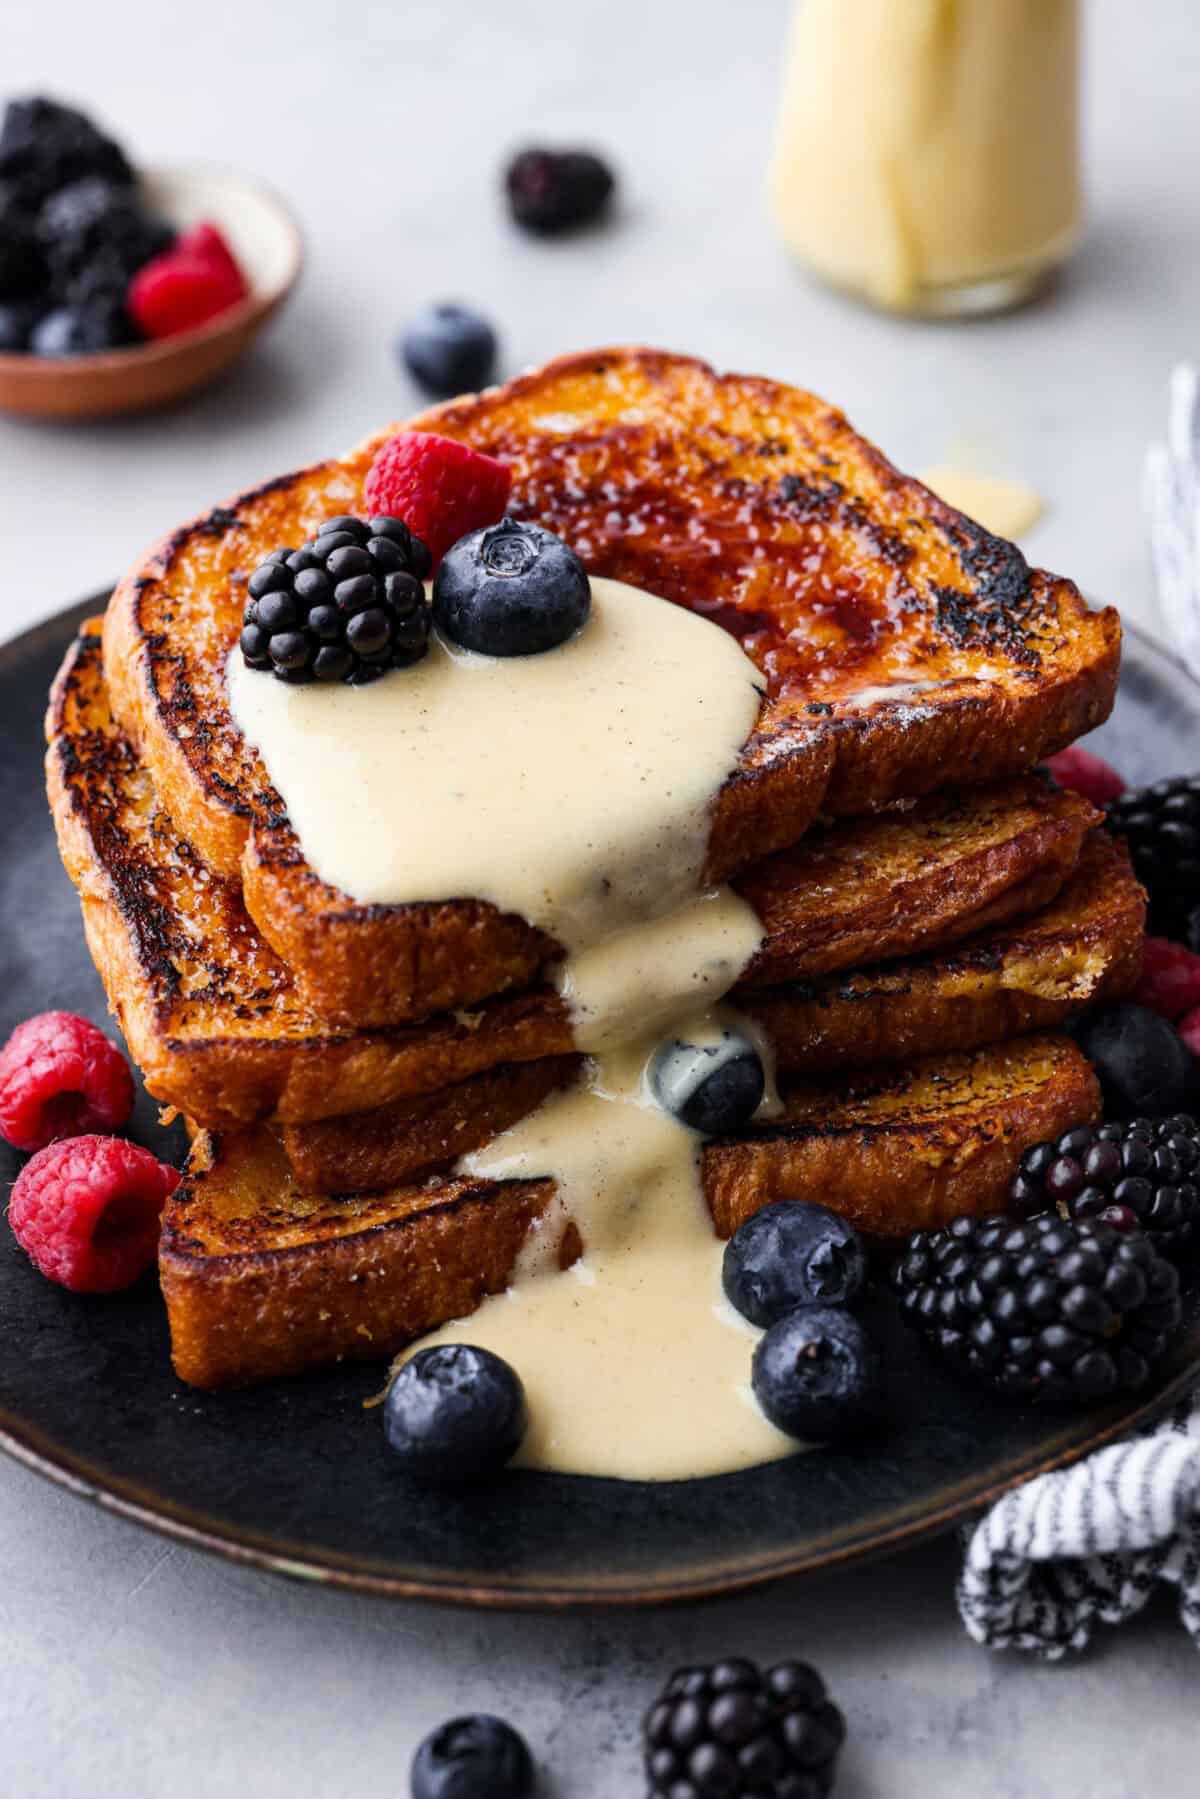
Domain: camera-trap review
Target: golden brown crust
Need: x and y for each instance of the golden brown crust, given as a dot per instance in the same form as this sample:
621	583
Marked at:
874	888
258	1282
261	1279
837	572
372	1150
1030	976
213	1016
903	1149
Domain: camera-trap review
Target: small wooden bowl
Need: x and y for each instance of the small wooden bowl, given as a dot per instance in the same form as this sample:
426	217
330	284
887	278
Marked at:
267	243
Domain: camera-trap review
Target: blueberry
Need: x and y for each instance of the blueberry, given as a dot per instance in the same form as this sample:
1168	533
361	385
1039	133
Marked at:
455	1413
713	1087
60	333
479	1757
511	589
449	350
793	1253
816	1374
1142	1063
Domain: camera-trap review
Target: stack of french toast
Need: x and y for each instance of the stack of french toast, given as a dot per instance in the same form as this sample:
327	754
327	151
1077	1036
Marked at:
935	911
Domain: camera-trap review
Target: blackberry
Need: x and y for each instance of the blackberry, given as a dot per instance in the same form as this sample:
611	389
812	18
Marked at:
44	146
1145	1173
734	1732
22	264
92	221
17	321
346	606
1161	825
550	191
1052	1309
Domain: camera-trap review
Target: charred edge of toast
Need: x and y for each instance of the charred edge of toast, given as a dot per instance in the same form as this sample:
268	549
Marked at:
994	612
92	765
1102	903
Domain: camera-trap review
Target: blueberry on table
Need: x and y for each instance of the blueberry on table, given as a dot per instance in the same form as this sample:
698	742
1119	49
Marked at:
449	350
816	1375
790	1254
455	1414
511	589
477	1757
1142	1063
714	1088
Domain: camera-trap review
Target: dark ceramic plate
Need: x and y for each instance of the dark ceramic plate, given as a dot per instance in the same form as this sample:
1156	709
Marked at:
295	1476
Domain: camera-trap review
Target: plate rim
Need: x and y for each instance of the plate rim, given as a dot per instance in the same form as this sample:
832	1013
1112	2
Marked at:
56	1462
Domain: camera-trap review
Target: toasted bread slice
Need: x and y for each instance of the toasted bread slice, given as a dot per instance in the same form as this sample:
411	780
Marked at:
902	647
213	1017
908	1148
1032	975
261	1279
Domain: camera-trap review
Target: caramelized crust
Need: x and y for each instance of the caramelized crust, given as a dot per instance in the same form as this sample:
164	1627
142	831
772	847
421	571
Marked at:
393	1143
261	1279
903	1149
874	888
1033	975
746	500
213	1016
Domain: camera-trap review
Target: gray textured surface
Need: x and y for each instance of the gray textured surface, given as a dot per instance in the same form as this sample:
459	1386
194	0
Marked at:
132	1669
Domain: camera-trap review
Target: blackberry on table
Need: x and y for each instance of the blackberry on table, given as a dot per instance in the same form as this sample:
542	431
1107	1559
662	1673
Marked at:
1161	825
550	191
734	1731
346	606
1142	1174
1052	1308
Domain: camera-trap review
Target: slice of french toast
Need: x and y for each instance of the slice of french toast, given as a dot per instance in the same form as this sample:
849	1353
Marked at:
213	1016
901	646
907	1148
261	1279
1085	947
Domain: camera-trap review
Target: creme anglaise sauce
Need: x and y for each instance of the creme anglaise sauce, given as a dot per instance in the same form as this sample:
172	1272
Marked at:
575	788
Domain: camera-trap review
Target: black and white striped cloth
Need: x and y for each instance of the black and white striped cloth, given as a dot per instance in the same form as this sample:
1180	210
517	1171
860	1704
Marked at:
1089	1544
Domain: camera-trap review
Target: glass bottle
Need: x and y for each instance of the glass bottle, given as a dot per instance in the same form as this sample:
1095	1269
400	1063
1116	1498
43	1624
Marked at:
927	156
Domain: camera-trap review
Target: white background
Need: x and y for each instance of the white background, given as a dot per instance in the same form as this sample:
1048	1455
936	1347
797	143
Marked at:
129	1668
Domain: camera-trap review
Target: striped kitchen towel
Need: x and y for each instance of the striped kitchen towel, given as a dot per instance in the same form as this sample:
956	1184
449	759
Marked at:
1090	1543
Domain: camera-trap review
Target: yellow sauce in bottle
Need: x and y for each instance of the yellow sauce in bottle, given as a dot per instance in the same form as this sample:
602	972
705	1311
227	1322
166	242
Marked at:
927	154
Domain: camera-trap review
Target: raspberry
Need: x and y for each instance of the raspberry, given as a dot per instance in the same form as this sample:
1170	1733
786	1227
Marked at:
207	243
60	1076
183	290
1170	981
1189	1030
86	1211
1082	772
439	487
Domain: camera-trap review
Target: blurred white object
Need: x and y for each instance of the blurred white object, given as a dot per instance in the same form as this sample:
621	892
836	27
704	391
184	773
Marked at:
1172	499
